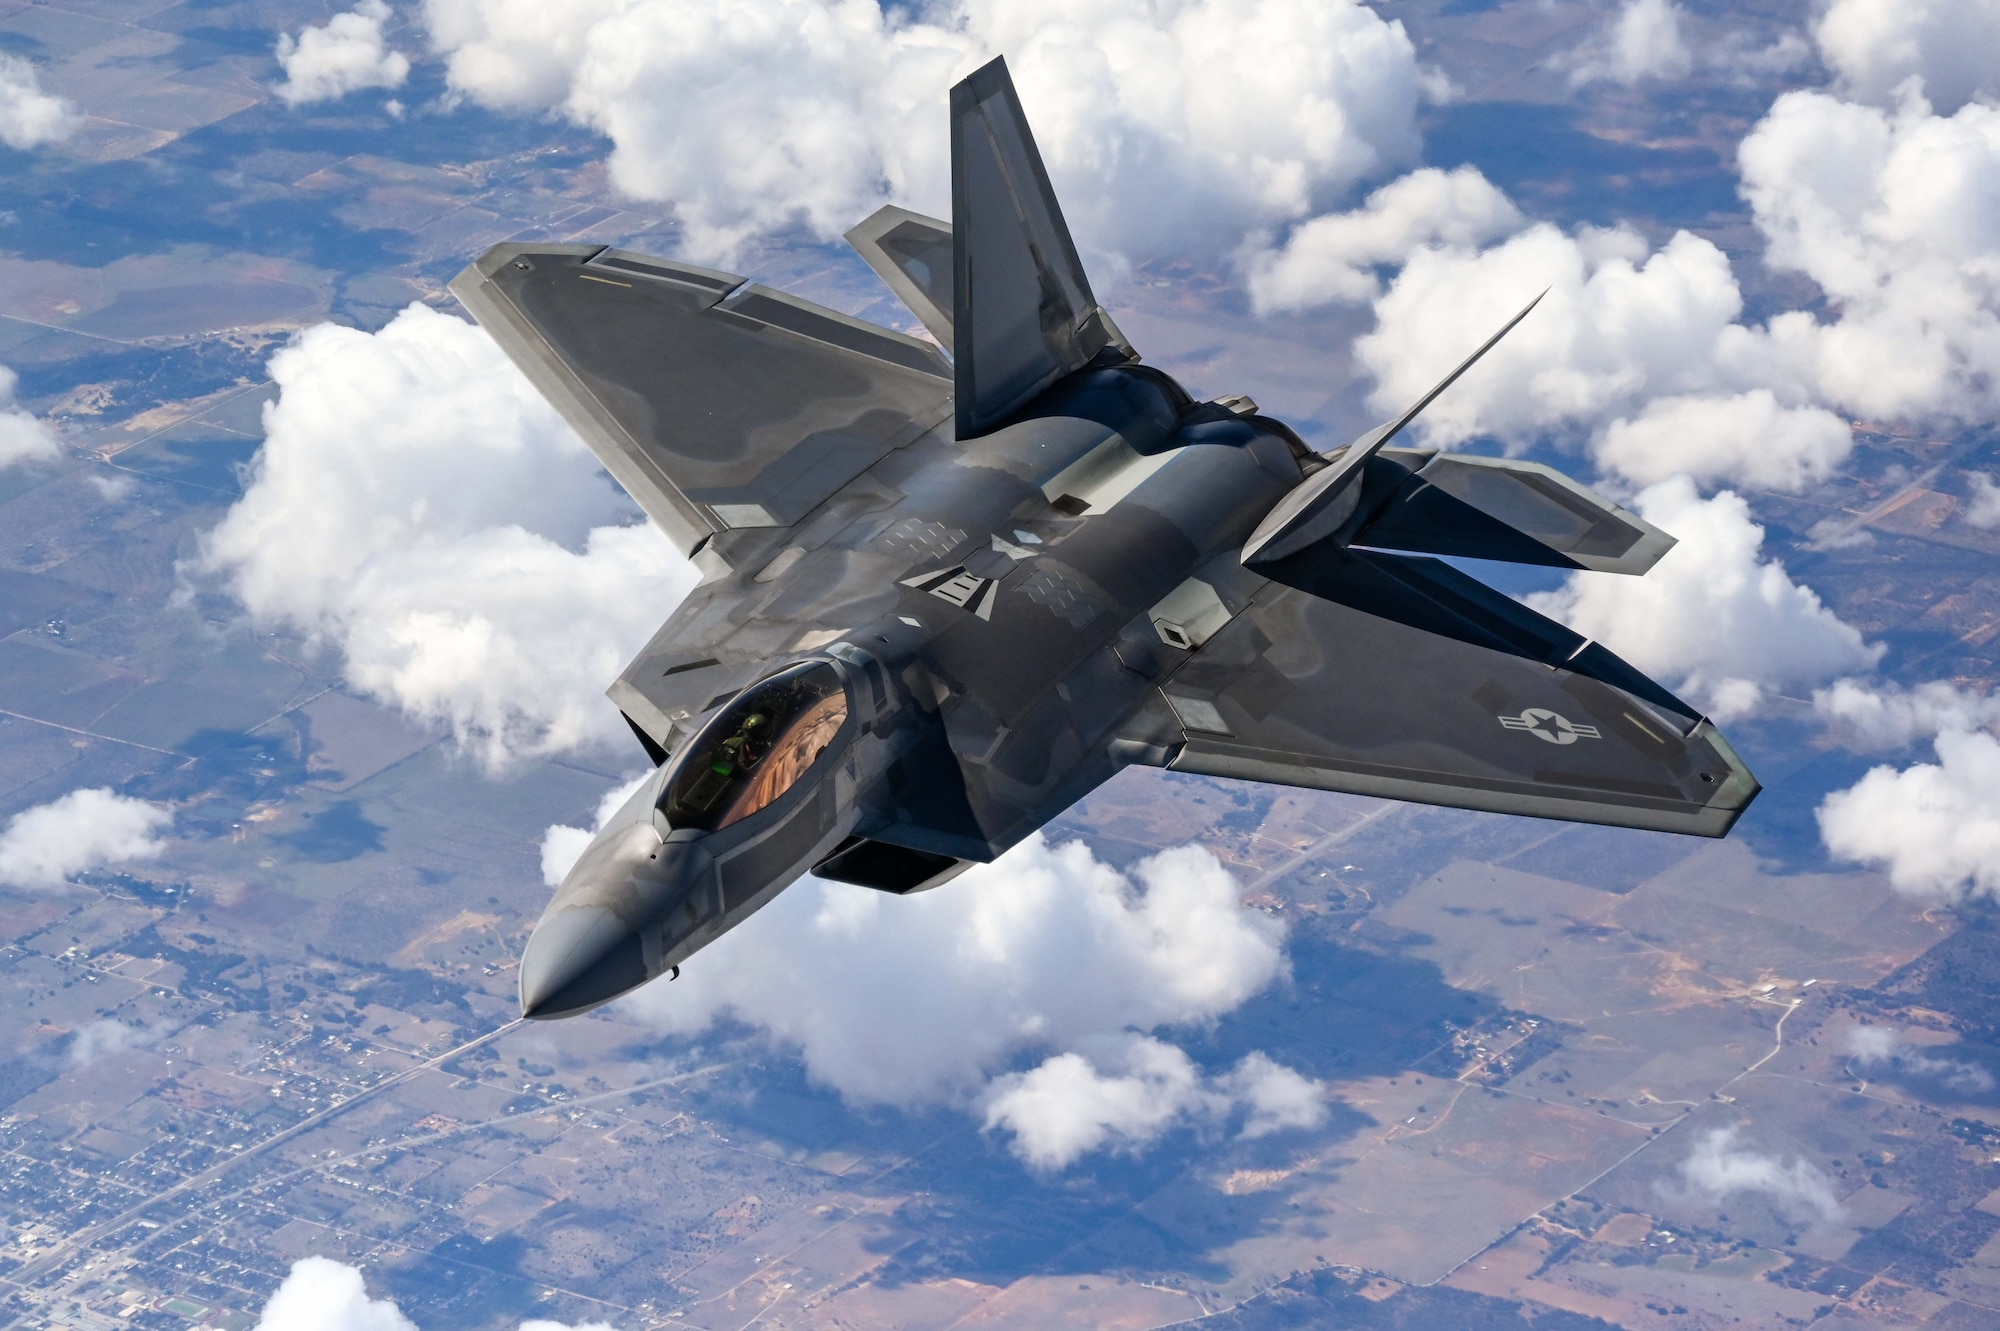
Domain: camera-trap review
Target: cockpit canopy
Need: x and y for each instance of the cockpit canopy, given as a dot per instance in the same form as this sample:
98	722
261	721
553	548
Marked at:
756	749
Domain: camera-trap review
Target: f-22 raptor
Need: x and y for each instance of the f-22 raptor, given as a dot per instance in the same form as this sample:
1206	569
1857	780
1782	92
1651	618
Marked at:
945	597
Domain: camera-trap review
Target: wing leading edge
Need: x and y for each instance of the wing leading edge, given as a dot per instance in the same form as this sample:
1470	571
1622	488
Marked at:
717	403
1399	677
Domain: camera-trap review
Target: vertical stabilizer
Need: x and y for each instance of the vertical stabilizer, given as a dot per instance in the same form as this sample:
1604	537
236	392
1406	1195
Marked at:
1024	315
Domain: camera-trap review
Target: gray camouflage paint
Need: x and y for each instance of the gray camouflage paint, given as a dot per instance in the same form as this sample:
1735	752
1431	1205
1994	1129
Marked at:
1027	566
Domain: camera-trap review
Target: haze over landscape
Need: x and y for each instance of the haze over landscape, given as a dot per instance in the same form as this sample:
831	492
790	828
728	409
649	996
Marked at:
309	601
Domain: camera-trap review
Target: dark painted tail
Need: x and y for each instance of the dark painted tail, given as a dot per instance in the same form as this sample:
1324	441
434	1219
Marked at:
1024	314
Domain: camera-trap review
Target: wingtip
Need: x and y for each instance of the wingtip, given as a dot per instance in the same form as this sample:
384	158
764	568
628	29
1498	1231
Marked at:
981	82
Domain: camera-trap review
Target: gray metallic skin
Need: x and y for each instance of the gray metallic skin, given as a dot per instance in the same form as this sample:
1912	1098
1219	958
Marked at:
1028	567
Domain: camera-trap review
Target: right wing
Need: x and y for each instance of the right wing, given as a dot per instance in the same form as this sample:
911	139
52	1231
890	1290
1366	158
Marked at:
1023	313
715	402
1386	675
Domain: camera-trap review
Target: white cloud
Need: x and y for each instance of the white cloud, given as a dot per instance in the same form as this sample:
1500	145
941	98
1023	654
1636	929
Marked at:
1935	827
933	998
1168	125
324	1295
320	1294
1982	507
44	846
1642	41
1069	1107
1895	213
1888	716
1617	327
1641	353
96	1039
1276	1097
23	437
1745	437
1883	1046
1718	1169
1046	946
1877	45
1637	351
30	117
1733	55
1331	259
346	54
1066	1109
420	507
1712	617
563	846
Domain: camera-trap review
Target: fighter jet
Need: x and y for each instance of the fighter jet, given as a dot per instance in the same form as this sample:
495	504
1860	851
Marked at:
950	585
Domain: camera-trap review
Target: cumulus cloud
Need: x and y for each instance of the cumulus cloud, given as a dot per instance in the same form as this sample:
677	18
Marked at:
1727	626
1718	1169
563	846
1332	259
346	54
937	998
23	437
418	506
30	117
1274	1096
45	846
320	1294
1895	214
1865	715
1934	827
97	1039
1982	507
1877	46
1748	437
1046	945
1634	351
1877	1047
1619	326
1641	41
1122	1092
1640	353
1132	1093
1167	124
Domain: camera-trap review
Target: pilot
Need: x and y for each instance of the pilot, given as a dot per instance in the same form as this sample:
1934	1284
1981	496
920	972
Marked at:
742	750
730	760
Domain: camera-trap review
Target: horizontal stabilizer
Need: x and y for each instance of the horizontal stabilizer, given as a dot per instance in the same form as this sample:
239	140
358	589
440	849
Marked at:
1516	512
912	253
1023	313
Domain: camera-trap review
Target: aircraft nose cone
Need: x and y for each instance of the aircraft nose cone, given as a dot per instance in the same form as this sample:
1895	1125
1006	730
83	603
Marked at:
578	957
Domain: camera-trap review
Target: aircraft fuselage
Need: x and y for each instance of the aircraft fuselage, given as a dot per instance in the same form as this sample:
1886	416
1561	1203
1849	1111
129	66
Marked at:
1073	525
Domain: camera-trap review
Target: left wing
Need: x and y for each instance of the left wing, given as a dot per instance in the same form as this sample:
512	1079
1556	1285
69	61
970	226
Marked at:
716	402
1386	675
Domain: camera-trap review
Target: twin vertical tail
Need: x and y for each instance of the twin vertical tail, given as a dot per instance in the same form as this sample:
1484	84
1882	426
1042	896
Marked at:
1001	286
1014	306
